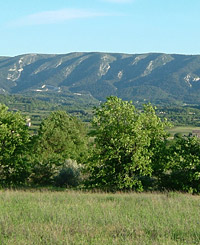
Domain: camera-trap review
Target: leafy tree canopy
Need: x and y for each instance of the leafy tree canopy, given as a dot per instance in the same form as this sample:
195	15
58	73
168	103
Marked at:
60	137
126	141
14	139
183	165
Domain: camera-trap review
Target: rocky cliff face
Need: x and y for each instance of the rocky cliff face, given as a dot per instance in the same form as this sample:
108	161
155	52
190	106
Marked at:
153	76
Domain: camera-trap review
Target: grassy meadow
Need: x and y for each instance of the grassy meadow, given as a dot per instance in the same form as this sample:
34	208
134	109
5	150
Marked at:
69	217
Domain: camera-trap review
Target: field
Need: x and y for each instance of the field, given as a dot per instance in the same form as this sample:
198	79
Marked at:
67	217
184	130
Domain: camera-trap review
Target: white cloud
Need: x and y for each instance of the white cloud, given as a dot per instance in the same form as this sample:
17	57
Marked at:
57	16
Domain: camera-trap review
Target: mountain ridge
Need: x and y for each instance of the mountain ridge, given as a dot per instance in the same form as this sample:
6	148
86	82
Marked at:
155	77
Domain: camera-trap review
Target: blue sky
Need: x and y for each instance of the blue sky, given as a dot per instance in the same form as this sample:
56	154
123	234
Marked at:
121	26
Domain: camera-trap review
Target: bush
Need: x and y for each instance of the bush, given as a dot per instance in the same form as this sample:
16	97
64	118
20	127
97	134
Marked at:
69	175
182	171
128	145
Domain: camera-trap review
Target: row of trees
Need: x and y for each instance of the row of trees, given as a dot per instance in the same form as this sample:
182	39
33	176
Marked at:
37	159
126	149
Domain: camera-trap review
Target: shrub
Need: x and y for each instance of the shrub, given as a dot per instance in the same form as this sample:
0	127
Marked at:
69	175
183	168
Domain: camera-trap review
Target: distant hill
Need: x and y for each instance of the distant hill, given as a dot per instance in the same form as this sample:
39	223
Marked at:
155	77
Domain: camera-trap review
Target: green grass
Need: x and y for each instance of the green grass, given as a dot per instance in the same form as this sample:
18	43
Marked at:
184	130
46	217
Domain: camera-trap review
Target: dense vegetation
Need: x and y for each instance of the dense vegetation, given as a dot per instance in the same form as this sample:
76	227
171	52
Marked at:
127	143
125	149
38	106
181	115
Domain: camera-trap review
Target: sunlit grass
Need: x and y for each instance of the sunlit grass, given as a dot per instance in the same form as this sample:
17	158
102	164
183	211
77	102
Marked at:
46	217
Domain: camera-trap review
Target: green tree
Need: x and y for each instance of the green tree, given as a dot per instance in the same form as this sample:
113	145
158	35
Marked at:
182	172
126	141
14	140
60	137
